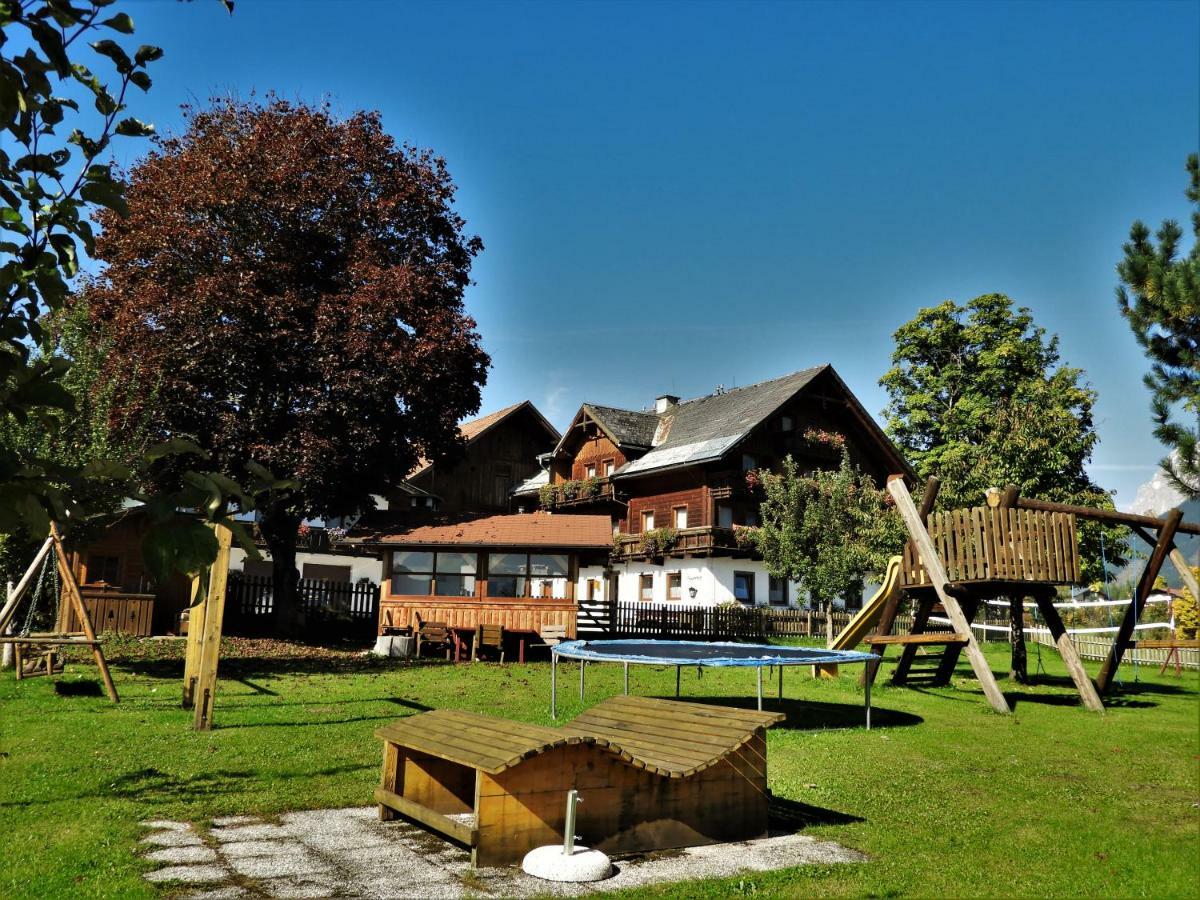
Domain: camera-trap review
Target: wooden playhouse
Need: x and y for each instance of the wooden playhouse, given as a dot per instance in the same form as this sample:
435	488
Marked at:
652	775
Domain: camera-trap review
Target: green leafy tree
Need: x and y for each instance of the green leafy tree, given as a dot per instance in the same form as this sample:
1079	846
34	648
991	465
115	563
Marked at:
1186	610
1159	296
827	529
979	397
54	174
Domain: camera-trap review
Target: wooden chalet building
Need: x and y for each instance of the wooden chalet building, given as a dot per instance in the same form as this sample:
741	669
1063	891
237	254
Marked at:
501	451
674	482
519	571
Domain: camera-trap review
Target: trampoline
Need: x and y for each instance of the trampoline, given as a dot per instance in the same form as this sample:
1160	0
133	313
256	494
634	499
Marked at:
699	653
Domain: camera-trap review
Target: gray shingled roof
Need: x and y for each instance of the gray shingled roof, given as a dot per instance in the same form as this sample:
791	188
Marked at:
630	428
705	429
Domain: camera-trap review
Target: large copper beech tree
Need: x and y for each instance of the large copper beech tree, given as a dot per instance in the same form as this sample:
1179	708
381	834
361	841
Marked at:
288	287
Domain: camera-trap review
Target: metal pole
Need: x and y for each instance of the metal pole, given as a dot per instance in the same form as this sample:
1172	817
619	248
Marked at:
677	681
553	684
759	688
582	672
781	682
626	679
569	826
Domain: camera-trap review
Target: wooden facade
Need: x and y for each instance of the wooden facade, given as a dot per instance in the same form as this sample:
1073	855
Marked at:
653	775
119	592
498	457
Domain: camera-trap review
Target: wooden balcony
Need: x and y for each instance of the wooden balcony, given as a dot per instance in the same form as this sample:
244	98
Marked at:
704	541
581	494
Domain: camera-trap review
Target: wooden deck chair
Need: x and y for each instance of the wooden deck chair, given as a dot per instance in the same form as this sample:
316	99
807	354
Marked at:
435	634
489	638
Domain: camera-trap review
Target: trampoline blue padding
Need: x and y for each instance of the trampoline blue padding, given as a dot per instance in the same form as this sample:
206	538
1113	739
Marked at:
705	653
700	654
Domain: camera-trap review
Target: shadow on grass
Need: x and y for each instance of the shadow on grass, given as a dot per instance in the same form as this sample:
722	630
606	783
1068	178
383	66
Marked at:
240	668
812	715
85	688
789	816
1015	698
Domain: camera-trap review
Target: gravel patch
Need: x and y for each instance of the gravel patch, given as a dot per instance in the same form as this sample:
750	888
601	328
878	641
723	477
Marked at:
349	853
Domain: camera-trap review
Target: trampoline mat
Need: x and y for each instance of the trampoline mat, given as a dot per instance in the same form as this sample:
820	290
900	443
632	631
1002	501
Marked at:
704	653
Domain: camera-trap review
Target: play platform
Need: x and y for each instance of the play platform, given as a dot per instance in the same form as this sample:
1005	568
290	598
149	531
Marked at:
652	775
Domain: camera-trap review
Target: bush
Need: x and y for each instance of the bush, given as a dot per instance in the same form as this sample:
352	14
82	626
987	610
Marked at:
658	541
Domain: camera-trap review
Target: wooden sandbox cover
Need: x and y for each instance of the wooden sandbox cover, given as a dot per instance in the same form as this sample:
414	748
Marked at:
652	775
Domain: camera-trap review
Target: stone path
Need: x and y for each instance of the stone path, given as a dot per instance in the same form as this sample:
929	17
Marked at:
345	853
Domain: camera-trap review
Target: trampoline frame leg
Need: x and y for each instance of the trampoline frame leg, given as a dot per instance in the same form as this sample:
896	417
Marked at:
677	682
781	682
626	679
759	669
553	685
582	674
870	677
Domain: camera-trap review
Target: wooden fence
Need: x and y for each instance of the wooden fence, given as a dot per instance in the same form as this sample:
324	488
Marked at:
328	607
718	623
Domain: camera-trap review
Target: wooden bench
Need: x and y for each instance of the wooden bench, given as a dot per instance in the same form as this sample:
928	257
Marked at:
653	775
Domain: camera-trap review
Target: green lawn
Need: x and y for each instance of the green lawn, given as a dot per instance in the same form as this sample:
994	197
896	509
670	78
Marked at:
946	797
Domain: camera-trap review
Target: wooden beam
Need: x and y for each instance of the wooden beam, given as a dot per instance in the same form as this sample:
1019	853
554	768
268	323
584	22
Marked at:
909	654
1112	516
1166	536
452	828
937	575
1177	560
1066	649
933	484
210	646
10	605
85	620
195	637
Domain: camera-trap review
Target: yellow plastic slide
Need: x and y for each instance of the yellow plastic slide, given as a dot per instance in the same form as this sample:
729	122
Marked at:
866	618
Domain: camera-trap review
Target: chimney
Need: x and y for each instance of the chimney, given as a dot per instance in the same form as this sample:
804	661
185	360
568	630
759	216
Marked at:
664	402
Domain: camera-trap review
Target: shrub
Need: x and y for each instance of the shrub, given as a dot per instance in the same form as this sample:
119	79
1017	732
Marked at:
658	541
548	496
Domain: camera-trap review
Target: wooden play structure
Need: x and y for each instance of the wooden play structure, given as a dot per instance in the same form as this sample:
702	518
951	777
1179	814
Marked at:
652	775
1011	547
204	636
37	653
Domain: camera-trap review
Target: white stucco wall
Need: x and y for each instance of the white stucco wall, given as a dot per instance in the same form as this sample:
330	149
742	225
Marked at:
369	567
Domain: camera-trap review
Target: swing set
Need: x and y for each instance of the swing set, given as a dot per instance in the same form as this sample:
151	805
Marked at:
49	574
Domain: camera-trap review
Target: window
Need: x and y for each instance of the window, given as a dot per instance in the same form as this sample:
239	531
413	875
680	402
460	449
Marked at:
786	423
674	586
104	568
609	466
590	470
681	517
322	572
421	573
646	587
412	572
748	462
542	575
778	593
724	515
743	587
647	520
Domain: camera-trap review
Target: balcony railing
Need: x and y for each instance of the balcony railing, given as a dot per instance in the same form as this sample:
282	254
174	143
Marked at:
684	541
571	494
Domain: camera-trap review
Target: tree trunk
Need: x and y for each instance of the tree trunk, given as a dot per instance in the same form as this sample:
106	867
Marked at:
280	528
829	623
1016	636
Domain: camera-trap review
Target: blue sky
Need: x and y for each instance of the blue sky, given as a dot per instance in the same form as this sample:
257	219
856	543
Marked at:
678	195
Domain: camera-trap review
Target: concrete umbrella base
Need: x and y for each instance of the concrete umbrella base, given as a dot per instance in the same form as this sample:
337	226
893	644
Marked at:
552	864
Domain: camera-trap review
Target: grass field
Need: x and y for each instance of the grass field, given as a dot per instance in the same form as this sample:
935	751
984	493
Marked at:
946	797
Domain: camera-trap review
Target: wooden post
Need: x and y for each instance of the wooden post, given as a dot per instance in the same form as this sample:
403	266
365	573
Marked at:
1066	649
1176	558
924	608
887	616
15	595
1166	537
210	645
195	636
937	575
85	620
1016	639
